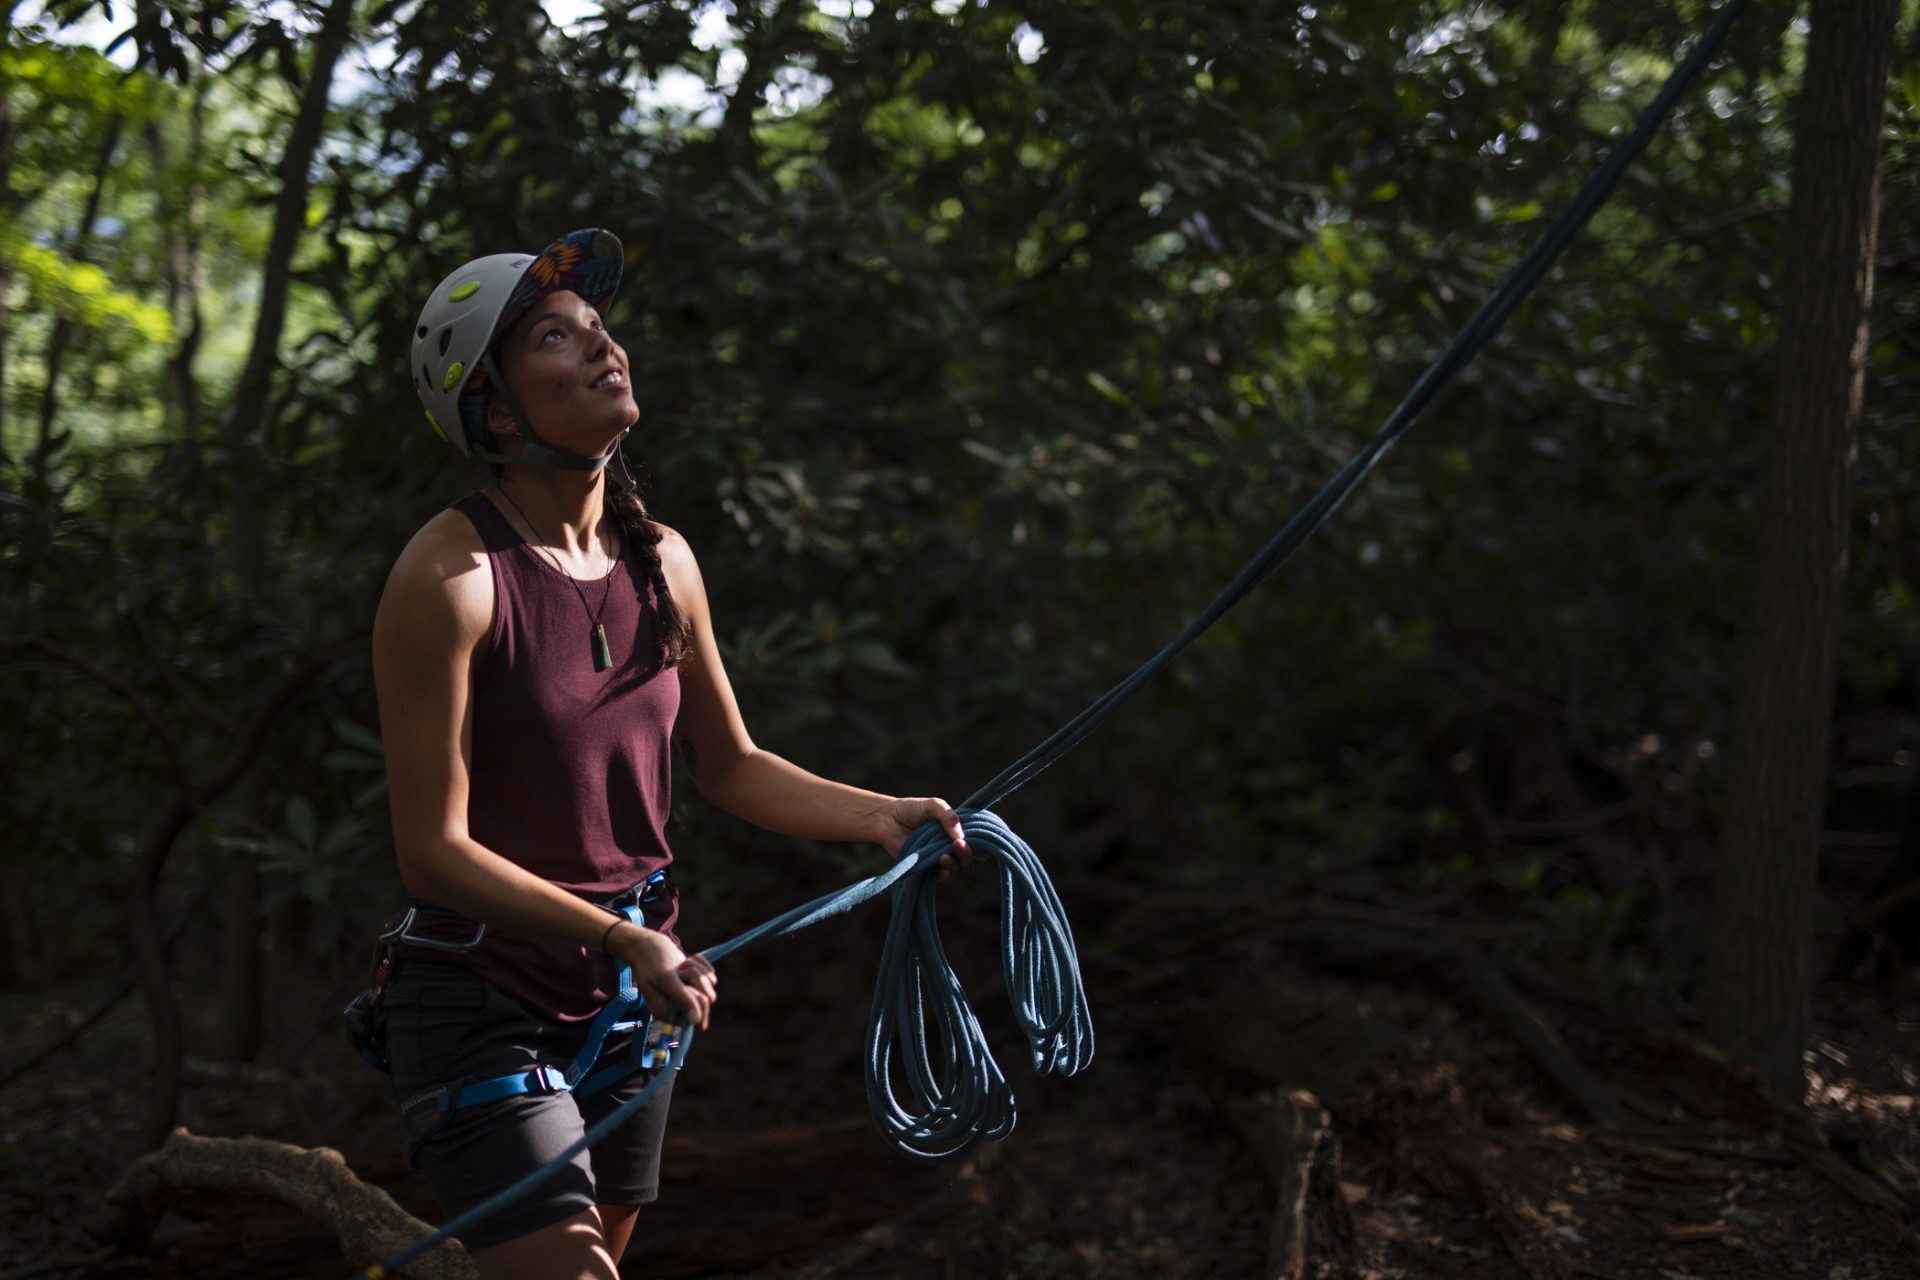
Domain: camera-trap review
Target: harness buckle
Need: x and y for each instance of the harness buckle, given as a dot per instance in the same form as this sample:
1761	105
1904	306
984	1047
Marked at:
644	893
544	1080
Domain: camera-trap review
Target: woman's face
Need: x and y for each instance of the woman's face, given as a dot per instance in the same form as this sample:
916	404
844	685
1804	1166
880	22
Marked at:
569	375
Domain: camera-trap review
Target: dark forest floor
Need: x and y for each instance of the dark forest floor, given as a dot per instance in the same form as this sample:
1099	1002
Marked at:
1459	1156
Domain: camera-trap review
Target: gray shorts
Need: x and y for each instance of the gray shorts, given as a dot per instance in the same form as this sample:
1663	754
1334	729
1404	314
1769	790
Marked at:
446	1023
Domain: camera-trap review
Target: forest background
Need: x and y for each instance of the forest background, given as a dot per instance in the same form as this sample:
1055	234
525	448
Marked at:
978	345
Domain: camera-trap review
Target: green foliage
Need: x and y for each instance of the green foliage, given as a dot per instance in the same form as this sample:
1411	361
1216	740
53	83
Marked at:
977	346
337	870
80	290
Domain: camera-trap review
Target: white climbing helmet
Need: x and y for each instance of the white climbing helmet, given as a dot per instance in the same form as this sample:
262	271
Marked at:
481	299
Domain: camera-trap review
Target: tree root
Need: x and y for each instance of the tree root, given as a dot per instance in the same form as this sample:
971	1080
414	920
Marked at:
367	1222
1804	1137
1526	1027
80	1026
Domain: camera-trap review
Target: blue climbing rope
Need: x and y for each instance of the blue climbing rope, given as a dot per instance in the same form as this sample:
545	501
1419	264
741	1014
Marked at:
961	1097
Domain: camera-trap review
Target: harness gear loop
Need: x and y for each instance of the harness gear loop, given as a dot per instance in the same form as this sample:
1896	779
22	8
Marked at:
652	1038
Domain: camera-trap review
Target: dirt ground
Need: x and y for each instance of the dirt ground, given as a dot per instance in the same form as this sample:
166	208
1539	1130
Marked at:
1458	1153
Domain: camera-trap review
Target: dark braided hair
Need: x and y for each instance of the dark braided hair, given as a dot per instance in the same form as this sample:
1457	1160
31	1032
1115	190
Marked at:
640	531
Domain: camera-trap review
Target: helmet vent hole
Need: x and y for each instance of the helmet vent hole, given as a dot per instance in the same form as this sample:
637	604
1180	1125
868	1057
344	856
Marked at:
446	339
425	376
423	331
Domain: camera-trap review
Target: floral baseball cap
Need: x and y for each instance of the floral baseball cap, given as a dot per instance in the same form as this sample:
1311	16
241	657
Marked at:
588	262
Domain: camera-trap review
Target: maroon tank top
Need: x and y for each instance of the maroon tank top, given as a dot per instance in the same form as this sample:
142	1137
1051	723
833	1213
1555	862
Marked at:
572	770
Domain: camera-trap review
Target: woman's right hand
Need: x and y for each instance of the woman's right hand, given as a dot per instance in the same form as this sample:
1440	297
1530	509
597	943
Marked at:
666	975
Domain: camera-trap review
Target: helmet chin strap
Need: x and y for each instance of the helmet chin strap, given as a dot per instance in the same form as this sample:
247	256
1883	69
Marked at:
536	451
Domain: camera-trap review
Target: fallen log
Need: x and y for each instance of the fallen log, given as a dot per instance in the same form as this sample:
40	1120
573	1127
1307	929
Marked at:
1528	1029
365	1219
1291	1136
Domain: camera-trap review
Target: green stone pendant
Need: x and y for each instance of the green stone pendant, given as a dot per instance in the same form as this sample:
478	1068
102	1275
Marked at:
602	655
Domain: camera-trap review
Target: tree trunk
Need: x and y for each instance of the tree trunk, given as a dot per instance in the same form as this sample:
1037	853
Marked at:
144	935
6	281
240	988
244	420
246	424
767	42
6	284
62	334
181	226
1758	964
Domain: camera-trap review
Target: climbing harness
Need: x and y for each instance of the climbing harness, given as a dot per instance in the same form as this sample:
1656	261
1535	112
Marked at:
963	1096
366	1020
652	1041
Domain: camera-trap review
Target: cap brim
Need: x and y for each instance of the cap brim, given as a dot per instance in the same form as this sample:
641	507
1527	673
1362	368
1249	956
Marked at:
587	262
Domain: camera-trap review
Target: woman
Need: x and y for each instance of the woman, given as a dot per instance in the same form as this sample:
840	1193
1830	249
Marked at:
538	646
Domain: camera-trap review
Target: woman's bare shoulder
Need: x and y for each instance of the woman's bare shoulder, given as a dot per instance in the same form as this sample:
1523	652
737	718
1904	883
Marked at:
441	584
676	558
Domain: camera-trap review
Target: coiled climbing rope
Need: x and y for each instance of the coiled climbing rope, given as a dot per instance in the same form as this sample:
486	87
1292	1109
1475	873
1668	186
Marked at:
920	1009
922	1021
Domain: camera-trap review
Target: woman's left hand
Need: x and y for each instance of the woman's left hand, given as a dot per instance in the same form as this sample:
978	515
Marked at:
897	819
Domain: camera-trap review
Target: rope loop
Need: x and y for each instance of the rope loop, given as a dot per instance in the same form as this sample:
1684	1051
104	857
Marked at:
922	1022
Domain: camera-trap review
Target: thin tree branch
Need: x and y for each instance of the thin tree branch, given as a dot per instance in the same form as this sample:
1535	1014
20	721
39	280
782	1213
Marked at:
141	706
1023	288
1720	222
143	926
763	59
138	616
101	1008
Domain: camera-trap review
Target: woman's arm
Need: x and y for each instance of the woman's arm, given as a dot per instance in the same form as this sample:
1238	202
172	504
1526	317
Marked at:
758	786
433	620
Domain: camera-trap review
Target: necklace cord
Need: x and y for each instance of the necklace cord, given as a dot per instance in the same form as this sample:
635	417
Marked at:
597	634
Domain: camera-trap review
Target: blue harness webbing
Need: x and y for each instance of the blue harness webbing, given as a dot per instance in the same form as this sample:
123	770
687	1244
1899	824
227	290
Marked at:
625	1012
651	1045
